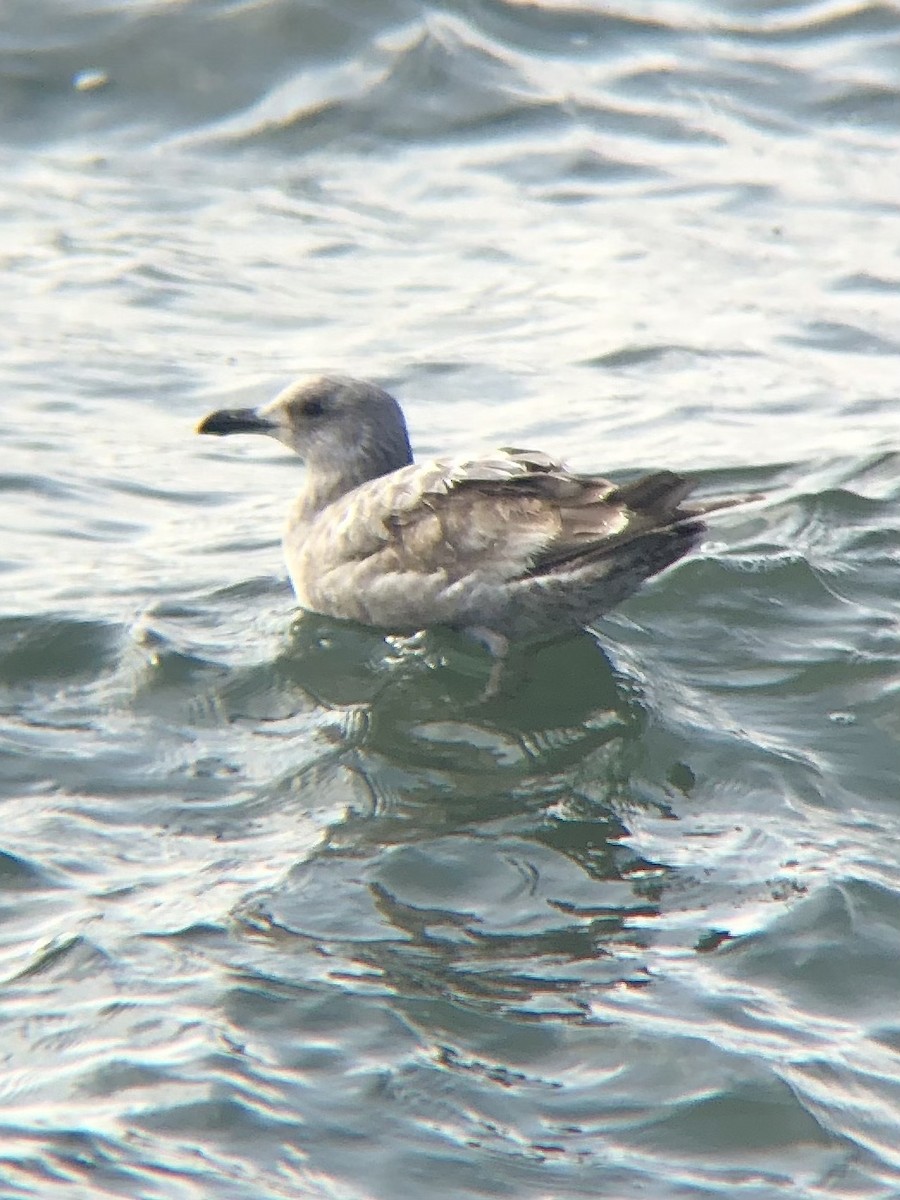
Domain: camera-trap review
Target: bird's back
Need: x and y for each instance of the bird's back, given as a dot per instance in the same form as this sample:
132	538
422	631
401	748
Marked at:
511	542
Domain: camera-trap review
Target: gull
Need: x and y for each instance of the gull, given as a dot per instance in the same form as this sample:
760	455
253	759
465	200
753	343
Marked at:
507	547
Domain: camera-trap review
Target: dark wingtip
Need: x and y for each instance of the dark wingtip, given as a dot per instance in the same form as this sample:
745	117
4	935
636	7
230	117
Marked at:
661	489
716	504
234	420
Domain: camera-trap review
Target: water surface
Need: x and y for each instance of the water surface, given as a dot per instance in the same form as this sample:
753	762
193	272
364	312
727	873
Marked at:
288	908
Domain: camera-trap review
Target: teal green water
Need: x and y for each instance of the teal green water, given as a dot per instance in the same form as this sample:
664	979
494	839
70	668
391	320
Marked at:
288	908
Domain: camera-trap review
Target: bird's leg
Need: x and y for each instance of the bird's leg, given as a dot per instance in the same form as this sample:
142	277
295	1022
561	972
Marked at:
497	646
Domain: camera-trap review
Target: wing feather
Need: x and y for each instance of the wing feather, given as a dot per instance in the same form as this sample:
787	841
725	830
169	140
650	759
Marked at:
519	514
514	514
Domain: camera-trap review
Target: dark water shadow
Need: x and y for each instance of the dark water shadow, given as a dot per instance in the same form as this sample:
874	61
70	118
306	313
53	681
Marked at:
492	863
421	705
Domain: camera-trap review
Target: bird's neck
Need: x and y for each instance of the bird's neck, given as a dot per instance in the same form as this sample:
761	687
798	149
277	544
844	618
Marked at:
327	481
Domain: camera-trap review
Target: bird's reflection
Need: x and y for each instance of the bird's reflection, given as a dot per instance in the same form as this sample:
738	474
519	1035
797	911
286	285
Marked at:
491	858
414	714
439	675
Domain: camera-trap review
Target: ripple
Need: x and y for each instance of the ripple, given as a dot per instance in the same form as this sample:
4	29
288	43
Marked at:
819	21
864	282
836	336
294	908
47	649
17	874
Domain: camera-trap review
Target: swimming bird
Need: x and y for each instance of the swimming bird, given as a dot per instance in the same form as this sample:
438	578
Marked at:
507	547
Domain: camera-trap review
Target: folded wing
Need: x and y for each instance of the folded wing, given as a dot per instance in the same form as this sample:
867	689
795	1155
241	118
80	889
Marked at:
537	519
515	514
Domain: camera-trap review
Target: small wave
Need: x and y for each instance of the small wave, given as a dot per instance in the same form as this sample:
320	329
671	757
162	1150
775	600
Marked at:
54	649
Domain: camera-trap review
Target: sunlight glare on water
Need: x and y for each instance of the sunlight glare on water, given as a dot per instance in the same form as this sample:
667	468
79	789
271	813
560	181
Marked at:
290	908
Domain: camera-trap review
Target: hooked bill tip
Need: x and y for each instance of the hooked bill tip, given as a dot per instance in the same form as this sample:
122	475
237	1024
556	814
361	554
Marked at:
234	420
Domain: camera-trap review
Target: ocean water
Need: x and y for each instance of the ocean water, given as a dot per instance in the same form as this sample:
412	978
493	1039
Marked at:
290	910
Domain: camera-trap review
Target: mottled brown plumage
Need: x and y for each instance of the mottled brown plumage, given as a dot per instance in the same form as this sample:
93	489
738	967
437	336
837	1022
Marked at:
510	543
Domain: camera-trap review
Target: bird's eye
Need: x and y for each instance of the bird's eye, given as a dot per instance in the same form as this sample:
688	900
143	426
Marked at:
313	408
